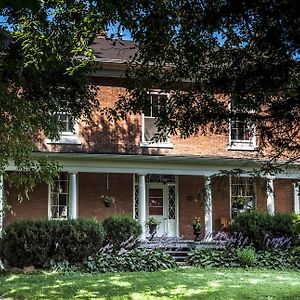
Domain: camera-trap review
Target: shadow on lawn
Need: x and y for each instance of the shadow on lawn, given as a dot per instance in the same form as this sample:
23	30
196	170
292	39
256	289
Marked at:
179	284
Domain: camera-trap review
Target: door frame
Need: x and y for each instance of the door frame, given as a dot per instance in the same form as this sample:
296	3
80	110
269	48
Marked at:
165	188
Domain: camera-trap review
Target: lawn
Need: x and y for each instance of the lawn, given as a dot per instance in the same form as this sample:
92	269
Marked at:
183	283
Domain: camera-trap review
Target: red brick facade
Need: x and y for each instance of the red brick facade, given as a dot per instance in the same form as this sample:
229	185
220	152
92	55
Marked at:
191	202
123	139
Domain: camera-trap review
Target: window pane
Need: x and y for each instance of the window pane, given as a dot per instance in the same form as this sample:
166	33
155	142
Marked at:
54	212
150	128
63	186
155	202
63	199
155	105
54	199
241	130
63	211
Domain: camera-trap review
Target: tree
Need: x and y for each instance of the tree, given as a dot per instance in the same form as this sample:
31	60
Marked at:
244	53
45	65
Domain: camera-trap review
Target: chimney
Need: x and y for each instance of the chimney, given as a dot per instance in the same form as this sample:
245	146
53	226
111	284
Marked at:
102	34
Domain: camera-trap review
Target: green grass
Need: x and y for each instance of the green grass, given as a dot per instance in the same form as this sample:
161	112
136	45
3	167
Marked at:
184	283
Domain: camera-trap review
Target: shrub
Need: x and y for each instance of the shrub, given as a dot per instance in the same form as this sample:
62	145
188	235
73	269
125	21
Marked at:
37	242
120	229
284	225
246	257
129	261
253	225
260	227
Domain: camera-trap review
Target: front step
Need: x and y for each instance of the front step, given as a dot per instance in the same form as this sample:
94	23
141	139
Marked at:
177	248
179	254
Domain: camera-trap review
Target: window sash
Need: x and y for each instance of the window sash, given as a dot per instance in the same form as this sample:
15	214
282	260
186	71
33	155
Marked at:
242	131
67	125
59	197
242	195
149	116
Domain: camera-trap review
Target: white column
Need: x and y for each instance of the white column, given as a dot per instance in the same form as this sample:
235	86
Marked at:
296	198
1	206
142	204
270	195
73	197
208	209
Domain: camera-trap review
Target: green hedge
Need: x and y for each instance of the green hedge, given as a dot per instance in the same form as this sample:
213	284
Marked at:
260	226
121	228
37	242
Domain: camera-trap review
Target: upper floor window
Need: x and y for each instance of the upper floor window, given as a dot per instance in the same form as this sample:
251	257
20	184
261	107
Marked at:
241	134
242	195
149	117
68	130
67	125
59	197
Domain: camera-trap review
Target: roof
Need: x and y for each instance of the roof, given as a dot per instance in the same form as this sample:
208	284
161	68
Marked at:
113	50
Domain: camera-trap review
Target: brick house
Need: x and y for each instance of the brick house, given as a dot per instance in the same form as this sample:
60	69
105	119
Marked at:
174	181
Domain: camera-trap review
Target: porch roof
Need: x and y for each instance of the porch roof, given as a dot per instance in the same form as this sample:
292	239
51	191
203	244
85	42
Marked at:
155	164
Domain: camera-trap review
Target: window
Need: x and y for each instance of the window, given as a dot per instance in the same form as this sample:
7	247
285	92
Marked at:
68	132
66	123
242	195
59	197
242	135
149	116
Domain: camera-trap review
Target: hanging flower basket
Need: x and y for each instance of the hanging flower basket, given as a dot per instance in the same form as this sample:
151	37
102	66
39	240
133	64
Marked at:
108	200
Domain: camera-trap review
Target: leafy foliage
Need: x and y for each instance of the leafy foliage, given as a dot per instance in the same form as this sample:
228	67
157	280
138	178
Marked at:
45	54
210	54
121	228
213	258
261	228
276	258
246	257
37	242
129	261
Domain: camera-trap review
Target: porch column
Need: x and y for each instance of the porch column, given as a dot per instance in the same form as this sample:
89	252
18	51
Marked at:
1	207
270	195
142	204
296	197
73	196
208	209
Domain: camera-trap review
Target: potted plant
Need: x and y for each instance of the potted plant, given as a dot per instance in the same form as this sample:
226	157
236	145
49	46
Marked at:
197	228
108	200
152	223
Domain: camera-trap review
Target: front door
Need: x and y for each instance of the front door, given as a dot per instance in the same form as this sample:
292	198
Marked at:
161	202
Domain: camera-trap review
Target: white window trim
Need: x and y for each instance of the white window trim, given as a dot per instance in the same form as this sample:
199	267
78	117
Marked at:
245	145
150	144
67	137
249	145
